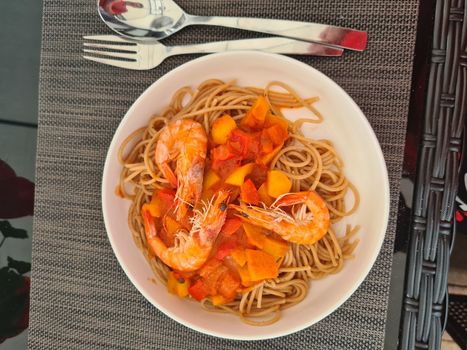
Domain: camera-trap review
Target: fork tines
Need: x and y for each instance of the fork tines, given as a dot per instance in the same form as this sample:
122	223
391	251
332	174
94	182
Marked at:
112	50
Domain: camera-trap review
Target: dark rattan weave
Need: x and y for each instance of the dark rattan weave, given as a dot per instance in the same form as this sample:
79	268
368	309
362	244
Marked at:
438	167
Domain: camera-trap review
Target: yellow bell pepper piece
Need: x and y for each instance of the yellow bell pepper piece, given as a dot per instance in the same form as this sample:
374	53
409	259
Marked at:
221	129
210	179
176	286
237	178
218	300
277	183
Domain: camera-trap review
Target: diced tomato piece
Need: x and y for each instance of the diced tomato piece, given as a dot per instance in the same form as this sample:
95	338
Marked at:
225	248
221	152
254	147
198	290
231	226
239	142
259	174
209	267
211	273
248	193
229	286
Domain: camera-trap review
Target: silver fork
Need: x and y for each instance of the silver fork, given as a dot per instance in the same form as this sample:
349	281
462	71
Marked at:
123	53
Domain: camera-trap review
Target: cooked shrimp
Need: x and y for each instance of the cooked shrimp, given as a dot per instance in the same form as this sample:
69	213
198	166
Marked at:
184	142
306	225
191	249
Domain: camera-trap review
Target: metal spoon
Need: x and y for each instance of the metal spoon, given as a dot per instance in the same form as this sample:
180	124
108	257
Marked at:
139	19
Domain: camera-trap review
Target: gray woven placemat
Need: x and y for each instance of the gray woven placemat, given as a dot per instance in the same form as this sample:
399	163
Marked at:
80	298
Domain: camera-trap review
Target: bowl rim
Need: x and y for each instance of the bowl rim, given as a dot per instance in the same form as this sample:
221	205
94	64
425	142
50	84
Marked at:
384	187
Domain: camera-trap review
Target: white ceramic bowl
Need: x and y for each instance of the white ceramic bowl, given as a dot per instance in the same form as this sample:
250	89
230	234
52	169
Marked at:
344	124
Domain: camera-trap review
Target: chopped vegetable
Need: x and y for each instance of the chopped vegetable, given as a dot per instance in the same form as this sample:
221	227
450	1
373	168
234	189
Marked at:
221	152
245	276
225	248
238	176
248	193
228	286
222	128
275	247
199	291
255	117
264	196
272	119
239	256
218	300
259	174
231	226
171	225
267	158
256	236
266	144
241	143
261	265
225	167
161	201
210	179
177	285
278	183
277	134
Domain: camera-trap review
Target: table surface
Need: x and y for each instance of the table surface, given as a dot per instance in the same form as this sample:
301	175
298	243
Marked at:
21	83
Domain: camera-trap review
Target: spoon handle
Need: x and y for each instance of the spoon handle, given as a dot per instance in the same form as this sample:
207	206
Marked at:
345	38
274	45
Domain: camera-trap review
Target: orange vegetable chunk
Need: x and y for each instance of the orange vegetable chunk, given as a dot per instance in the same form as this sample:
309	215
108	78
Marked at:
231	226
272	119
239	256
278	183
248	193
237	177
277	134
210	179
221	129
178	286
264	196
255	117
261	265
257	237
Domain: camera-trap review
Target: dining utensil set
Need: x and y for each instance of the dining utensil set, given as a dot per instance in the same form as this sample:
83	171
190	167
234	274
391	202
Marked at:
141	23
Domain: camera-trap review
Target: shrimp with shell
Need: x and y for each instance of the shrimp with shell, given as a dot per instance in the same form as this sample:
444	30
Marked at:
191	249
183	143
307	223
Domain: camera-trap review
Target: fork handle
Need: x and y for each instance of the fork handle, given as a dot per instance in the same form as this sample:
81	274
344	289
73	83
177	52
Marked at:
274	45
345	38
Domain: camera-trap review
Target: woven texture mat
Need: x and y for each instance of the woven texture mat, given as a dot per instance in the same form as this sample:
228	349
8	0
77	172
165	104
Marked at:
81	298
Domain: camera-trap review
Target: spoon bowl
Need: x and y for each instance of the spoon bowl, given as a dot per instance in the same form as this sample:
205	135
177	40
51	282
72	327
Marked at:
143	19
